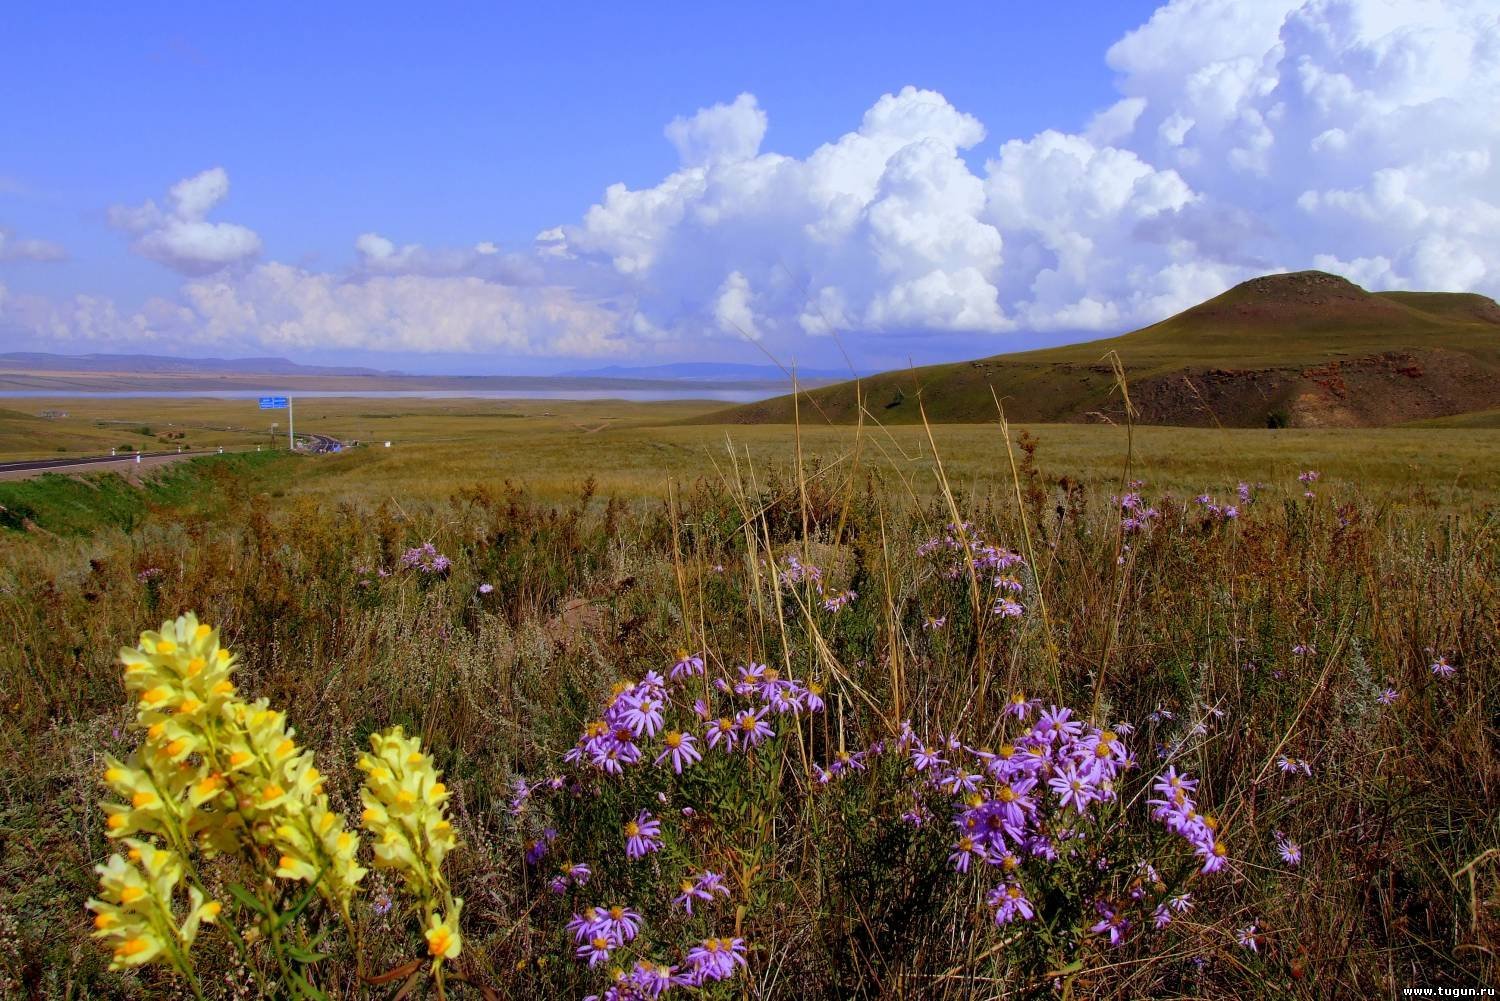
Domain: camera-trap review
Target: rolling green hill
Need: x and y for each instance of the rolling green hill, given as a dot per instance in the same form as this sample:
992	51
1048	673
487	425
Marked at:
1307	349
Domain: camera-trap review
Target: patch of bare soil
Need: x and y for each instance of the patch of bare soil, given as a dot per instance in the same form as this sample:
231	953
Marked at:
1370	391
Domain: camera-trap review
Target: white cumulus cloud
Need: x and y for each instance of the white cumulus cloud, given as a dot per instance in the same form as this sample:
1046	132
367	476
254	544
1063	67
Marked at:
179	235
14	248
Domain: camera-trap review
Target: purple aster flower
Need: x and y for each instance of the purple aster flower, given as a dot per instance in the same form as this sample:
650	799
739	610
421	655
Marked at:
1388	696
963	852
1008	608
1291	766
687	665
642	713
715	959
1161	916
924	757
1289	850
620	923
679	747
1020	706
1010	903
520	793
1071	787
1248	937
595	949
642	836
1213	851
591	922
486	589
752	675
934	623
752	727
958	782
722	731
1442	669
1110	923
702	887
650	980
1055	724
536	849
836	603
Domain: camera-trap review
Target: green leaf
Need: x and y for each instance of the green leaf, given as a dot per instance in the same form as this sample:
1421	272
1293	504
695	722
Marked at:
305	956
305	989
247	899
287	917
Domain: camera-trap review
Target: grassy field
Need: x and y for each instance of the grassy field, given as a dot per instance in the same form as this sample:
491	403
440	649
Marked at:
1282	657
629	448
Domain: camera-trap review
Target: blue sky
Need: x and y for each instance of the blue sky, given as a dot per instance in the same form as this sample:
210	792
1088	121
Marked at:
1058	171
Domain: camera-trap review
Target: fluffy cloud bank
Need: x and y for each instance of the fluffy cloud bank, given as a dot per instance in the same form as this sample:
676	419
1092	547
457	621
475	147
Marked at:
179	236
278	307
14	248
1352	135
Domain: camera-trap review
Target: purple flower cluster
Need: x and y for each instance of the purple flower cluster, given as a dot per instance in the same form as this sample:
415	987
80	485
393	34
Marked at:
847	762
574	874
1000	565
1174	807
797	572
1031	799
1135	513
1216	511
704	886
426	559
598	932
836	602
1002	794
1292	766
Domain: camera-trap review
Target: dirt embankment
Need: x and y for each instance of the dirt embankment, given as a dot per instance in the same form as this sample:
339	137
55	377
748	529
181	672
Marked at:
1371	391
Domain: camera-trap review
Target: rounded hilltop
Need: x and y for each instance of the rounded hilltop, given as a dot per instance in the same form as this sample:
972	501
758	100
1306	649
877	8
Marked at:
1301	348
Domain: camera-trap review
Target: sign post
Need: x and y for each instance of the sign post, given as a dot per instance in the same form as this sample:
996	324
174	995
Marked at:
282	403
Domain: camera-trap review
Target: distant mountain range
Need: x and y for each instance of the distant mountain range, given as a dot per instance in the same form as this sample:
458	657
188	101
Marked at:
37	361
707	371
1308	349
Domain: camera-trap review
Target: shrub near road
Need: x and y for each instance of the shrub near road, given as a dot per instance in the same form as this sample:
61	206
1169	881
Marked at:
780	737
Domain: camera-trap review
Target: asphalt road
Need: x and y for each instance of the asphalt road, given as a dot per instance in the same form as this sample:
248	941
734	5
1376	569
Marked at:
125	463
62	464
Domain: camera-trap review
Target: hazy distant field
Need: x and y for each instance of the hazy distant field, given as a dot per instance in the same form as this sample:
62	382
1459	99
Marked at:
630	448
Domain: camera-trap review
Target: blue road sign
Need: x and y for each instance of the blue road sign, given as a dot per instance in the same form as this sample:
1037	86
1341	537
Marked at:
273	403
